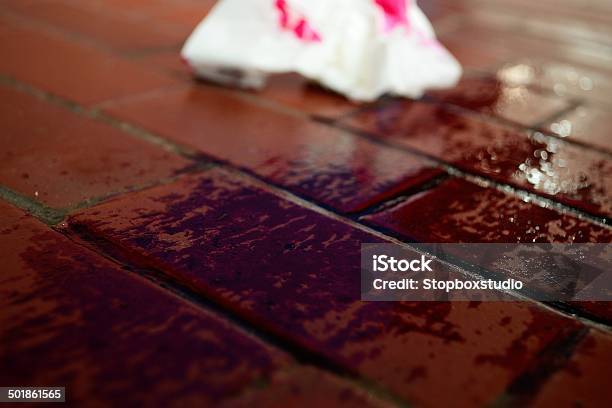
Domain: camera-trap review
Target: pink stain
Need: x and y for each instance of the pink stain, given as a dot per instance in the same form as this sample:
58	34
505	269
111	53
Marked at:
305	32
302	29
395	13
283	11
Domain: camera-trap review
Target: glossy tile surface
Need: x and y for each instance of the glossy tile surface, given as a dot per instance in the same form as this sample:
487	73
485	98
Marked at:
565	80
588	125
533	161
461	211
331	166
514	103
73	318
293	271
251	238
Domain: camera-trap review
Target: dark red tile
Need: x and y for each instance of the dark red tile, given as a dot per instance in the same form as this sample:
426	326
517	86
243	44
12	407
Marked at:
61	159
69	317
491	96
306	387
548	166
70	69
584	381
328	165
115	30
296	272
585	124
461	211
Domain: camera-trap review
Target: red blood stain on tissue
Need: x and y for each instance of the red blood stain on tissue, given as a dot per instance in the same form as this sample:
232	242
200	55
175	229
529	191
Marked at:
300	26
395	13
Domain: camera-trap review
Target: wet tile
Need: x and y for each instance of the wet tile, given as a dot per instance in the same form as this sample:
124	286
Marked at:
298	93
548	166
584	381
61	159
118	31
306	387
69	69
69	317
461	211
584	124
328	165
458	211
296	273
491	96
566	80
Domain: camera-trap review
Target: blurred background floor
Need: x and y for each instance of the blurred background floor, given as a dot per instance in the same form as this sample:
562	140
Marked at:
168	241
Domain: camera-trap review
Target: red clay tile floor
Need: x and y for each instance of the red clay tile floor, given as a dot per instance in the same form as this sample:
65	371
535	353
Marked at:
171	242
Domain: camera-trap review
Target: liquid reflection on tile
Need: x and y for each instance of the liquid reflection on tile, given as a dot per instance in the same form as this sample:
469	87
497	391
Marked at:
573	175
568	173
73	318
331	166
561	78
585	124
490	95
296	273
461	211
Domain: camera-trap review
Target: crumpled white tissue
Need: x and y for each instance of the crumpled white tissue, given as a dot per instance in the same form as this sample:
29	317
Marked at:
360	48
